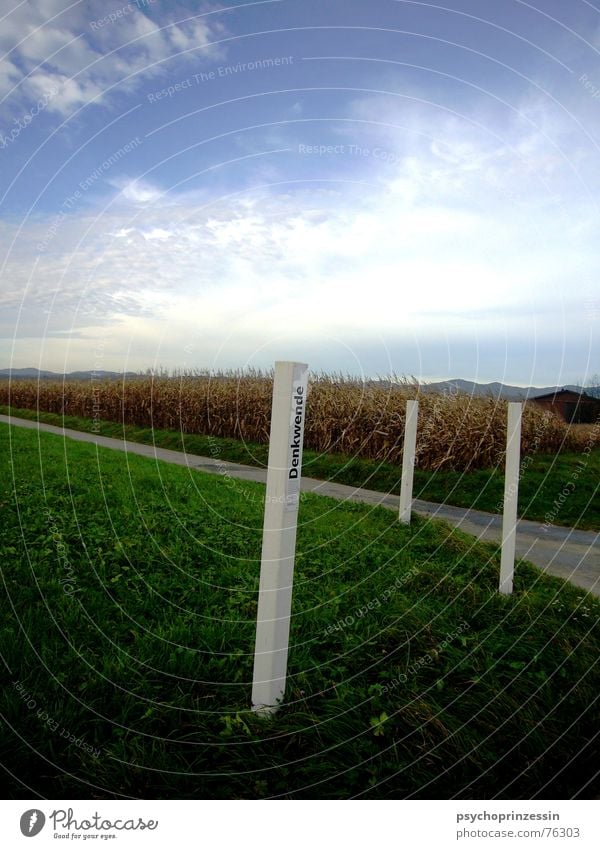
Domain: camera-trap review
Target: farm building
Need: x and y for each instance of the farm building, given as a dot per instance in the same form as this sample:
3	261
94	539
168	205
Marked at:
575	407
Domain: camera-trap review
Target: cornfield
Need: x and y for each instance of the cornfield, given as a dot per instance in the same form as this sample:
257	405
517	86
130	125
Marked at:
344	416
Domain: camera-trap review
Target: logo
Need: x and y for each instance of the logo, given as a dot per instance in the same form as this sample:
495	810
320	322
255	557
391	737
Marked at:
32	822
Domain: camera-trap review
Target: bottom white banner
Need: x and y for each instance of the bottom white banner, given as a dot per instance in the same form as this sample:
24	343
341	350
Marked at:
302	823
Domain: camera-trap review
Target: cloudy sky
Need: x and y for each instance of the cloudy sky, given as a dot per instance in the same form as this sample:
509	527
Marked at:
367	187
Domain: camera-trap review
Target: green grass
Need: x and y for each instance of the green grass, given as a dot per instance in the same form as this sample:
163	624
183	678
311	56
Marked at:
544	476
130	591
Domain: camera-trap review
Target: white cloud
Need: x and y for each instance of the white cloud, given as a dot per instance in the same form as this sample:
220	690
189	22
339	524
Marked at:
157	234
457	237
83	54
40	43
137	191
9	76
314	262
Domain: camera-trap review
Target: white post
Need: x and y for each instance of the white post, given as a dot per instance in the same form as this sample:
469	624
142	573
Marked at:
279	536
511	497
408	460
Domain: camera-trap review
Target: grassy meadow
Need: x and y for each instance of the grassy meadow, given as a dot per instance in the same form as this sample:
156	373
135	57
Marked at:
130	591
544	476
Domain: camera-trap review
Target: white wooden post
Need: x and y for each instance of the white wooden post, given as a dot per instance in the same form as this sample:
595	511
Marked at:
408	460
511	497
279	536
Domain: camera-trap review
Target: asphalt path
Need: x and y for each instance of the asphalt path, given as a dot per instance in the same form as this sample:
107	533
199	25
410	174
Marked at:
564	552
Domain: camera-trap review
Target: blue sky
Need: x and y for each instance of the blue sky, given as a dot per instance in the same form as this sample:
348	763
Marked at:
367	187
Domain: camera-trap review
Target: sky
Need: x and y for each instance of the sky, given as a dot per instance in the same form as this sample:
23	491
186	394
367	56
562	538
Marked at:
370	188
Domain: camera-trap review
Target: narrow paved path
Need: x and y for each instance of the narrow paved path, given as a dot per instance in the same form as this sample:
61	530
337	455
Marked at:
567	553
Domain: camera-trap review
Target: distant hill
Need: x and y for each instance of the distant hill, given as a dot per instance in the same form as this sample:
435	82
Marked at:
26	373
496	390
37	374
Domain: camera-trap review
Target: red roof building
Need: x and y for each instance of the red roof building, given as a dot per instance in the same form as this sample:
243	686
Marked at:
572	407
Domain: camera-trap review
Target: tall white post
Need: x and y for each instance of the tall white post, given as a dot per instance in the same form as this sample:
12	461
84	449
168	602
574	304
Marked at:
408	460
511	497
279	536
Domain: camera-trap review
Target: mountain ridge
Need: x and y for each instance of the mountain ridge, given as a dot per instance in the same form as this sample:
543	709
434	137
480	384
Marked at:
495	389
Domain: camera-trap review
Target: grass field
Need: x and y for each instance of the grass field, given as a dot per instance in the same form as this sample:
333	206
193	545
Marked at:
543	479
130	596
